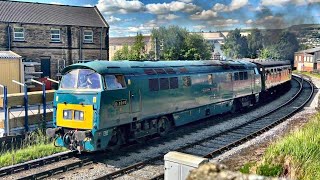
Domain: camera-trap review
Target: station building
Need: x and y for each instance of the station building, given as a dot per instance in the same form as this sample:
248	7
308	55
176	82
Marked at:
53	36
307	60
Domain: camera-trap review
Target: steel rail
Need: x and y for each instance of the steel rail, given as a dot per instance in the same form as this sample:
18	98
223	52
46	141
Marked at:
92	158
36	163
142	164
262	130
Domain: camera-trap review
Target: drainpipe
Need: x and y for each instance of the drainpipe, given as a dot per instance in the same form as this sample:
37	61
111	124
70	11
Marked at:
80	43
9	36
101	42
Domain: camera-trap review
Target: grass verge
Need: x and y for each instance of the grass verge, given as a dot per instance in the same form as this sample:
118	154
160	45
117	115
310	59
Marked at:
316	75
296	156
36	145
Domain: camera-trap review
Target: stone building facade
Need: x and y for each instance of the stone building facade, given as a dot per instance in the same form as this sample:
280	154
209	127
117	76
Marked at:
53	35
117	43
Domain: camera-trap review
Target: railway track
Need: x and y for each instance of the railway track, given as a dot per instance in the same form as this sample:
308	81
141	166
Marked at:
213	146
91	158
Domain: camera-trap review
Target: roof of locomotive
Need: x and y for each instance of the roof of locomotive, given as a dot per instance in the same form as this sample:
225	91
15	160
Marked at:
133	67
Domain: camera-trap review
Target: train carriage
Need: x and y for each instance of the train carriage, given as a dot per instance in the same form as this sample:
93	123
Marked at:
104	104
274	73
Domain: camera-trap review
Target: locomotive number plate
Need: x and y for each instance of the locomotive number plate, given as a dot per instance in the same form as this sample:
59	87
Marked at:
122	102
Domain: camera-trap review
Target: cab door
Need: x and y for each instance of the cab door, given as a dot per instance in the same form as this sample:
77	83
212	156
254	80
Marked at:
134	94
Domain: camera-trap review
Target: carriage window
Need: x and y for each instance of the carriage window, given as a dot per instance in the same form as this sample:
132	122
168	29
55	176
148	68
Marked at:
164	83
174	83
186	81
236	76
245	75
114	82
153	84
241	75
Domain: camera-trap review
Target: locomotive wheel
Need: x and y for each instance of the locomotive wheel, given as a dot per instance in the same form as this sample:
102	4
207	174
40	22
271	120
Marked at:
163	126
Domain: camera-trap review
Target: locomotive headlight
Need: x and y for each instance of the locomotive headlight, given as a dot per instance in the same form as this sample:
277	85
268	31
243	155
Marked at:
78	115
67	114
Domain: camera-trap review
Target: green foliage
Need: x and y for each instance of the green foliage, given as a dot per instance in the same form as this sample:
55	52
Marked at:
246	168
269	170
270	52
255	43
178	44
300	149
236	46
36	145
136	52
269	44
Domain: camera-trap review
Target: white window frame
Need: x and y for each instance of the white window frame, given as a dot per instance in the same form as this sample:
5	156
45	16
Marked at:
54	34
84	36
14	34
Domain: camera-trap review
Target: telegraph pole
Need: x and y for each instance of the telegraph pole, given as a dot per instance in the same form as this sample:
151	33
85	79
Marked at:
155	49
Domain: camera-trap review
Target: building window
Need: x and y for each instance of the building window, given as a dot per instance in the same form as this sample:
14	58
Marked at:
18	34
88	36
55	35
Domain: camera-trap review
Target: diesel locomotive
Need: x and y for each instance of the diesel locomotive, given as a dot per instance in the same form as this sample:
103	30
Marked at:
103	104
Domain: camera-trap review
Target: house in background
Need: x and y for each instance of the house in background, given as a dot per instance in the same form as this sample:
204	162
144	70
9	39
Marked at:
117	43
52	35
307	60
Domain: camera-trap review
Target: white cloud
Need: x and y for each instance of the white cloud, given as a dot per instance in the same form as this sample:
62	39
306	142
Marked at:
88	5
234	5
120	6
186	1
250	21
173	6
113	19
284	2
204	15
223	22
168	17
57	3
199	27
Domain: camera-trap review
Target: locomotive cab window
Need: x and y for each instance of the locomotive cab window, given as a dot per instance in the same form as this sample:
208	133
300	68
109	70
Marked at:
115	82
81	79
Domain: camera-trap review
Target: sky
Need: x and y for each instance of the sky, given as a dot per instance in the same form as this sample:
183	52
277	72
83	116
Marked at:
129	17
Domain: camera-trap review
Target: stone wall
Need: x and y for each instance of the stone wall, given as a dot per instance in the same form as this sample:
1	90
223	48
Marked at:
38	44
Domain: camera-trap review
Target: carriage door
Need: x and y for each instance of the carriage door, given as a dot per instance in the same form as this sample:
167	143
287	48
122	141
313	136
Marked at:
134	96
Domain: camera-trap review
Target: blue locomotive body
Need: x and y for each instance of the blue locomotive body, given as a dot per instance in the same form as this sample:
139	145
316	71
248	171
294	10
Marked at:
103	104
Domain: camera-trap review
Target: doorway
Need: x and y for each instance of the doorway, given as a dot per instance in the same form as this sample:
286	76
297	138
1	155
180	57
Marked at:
46	67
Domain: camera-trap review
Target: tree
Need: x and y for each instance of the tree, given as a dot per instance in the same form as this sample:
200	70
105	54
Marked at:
236	46
196	47
177	43
255	43
136	52
270	52
287	45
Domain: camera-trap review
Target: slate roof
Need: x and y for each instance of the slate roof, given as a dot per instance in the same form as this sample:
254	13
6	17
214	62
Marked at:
8	55
50	14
